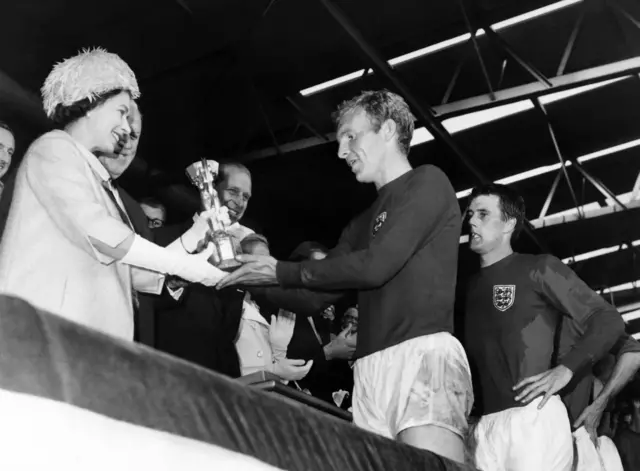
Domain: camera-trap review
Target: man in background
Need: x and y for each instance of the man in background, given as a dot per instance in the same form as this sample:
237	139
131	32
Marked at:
197	323
7	148
116	165
514	306
155	212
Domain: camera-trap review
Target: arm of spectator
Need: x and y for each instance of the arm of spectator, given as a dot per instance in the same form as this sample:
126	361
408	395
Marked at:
292	370
281	332
624	370
342	347
146	281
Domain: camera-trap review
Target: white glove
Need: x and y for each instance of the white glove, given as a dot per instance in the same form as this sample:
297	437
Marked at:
292	370
223	216
190	240
194	268
280	333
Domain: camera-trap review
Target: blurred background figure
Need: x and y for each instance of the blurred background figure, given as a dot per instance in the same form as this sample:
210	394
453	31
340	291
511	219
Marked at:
7	147
262	343
155	211
327	338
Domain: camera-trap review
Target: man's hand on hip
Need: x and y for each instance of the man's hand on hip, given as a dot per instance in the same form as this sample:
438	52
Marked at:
548	383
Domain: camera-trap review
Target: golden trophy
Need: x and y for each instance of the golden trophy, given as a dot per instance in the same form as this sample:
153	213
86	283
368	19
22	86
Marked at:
203	175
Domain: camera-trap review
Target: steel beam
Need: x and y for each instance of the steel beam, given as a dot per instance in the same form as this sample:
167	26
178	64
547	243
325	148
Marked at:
627	15
601	187
423	113
635	193
568	50
552	192
527	66
556	147
476	47
185	6
532	90
556	219
454	79
305	119
22	100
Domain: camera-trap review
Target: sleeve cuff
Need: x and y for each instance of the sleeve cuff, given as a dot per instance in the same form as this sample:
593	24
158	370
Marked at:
574	362
288	274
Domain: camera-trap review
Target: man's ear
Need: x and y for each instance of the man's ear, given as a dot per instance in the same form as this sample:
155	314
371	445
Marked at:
389	129
510	225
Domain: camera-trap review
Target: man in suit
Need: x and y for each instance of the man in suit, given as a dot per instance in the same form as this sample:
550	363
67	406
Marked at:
200	324
116	166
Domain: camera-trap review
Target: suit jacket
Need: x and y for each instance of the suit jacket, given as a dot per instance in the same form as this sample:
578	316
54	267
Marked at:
144	317
202	325
5	199
325	377
253	344
46	256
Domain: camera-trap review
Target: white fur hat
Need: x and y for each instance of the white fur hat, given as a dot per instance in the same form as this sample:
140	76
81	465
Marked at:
87	75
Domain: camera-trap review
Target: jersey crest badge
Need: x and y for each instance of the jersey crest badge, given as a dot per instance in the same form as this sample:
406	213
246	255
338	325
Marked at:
377	224
504	296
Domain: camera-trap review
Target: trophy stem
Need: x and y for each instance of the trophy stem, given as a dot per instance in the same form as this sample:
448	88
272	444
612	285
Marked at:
204	177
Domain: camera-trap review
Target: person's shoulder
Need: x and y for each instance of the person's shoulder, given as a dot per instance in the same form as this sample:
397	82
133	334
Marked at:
533	259
546	260
55	137
544	265
51	145
431	178
429	171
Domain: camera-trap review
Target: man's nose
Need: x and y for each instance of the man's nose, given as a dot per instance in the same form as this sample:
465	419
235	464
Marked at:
343	150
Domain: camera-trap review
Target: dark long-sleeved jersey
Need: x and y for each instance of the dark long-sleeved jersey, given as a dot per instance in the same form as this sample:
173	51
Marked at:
578	393
401	257
513	313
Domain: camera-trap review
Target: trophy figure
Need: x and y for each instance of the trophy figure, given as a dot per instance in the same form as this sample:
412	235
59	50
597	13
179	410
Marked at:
202	174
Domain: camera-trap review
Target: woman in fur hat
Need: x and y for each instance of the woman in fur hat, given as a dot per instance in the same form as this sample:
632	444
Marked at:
69	247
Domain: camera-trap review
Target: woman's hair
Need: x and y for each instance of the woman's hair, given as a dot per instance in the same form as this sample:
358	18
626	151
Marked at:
65	115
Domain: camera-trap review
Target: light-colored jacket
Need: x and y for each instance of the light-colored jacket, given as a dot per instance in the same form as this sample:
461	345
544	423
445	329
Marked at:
252	344
46	254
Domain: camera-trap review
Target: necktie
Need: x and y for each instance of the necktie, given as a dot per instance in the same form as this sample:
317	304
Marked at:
112	190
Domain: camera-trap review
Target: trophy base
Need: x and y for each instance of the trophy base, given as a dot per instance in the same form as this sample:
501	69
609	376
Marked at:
228	265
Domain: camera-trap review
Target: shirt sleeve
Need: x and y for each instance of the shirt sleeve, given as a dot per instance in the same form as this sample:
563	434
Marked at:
417	216
602	324
147	281
56	172
299	300
625	344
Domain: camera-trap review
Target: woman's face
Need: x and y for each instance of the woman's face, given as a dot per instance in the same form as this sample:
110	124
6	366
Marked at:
108	123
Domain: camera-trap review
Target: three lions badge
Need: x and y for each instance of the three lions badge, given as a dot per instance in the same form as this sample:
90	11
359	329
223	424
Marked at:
504	296
377	224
